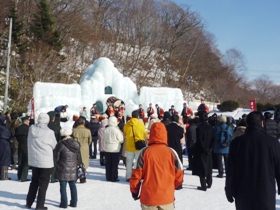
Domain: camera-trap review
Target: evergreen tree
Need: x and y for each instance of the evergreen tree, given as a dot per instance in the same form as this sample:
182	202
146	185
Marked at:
19	33
43	27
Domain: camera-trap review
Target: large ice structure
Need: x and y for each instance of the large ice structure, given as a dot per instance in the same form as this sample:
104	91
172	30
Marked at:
101	81
164	97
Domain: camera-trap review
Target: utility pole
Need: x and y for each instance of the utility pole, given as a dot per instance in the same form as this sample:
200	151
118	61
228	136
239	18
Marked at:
10	21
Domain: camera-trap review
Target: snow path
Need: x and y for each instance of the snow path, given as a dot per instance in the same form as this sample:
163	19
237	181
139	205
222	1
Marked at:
99	194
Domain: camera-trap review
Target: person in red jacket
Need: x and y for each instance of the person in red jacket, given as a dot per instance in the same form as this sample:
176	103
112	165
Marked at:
141	111
150	110
93	110
158	171
186	112
172	111
160	112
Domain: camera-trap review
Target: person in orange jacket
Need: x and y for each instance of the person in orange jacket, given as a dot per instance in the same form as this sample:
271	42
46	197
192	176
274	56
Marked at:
159	170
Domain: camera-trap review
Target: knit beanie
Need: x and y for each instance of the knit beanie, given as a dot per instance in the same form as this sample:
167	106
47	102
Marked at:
66	131
154	116
43	118
223	118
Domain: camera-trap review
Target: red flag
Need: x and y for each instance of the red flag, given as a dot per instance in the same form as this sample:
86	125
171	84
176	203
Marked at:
32	114
253	106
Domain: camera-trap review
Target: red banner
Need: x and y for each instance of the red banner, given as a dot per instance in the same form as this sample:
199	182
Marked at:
32	113
253	105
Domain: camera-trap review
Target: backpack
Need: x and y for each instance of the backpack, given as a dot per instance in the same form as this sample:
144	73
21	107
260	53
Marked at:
224	137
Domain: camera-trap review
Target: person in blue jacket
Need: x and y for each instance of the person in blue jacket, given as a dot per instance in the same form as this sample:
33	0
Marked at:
223	134
59	108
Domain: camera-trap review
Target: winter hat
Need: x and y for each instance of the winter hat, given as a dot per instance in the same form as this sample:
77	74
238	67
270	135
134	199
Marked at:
75	117
24	118
51	114
67	131
43	118
223	118
154	116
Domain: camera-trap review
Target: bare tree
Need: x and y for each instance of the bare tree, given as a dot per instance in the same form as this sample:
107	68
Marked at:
263	88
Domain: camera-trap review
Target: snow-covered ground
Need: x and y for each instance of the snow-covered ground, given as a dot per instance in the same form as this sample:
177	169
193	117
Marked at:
101	195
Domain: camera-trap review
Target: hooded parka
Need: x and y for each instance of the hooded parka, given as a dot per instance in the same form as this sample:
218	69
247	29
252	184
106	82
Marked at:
67	154
160	169
41	142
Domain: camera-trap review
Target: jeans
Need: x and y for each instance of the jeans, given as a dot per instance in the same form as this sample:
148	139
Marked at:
63	194
39	182
130	156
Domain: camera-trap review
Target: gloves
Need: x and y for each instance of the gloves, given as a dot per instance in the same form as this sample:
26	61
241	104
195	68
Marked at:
230	198
135	196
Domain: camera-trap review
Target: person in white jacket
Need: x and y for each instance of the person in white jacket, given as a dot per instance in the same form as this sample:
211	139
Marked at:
41	142
113	138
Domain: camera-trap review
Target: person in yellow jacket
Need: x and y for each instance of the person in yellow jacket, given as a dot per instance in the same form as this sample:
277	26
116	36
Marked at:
134	130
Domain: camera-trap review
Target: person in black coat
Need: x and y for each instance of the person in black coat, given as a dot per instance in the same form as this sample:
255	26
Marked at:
141	111
94	126
54	126
174	135
56	129
166	118
253	166
21	134
191	140
202	161
271	127
5	149
67	154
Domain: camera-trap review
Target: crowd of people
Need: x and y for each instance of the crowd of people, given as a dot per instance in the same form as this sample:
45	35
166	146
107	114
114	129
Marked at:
246	152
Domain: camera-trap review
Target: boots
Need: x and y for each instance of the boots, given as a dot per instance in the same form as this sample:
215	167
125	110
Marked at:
124	161
102	161
4	173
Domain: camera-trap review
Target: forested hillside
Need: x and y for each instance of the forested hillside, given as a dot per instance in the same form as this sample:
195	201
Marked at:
155	43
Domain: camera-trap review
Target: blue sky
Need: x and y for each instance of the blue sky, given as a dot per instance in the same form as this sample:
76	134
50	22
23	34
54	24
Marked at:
250	26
